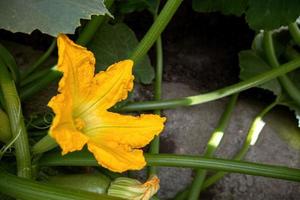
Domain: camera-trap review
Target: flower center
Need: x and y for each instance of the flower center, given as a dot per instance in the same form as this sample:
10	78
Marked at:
79	123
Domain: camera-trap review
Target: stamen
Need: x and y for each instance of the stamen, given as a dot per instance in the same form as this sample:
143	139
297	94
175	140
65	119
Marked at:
79	123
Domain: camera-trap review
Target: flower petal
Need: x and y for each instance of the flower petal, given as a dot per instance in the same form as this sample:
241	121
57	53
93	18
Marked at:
108	88
116	157
77	65
63	129
123	129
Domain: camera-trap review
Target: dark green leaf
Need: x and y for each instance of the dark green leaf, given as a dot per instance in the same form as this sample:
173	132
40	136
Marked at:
130	6
113	43
49	16
271	14
227	7
251	65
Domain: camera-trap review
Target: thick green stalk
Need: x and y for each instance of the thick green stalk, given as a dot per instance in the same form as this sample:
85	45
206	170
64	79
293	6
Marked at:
154	146
156	29
85	158
212	146
40	61
252	136
295	32
39	84
92	26
45	144
285	81
203	98
18	130
32	190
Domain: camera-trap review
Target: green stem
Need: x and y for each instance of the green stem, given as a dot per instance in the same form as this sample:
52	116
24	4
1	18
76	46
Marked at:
84	158
40	61
92	26
45	144
154	146
212	146
252	136
253	133
32	190
285	81
203	98
295	32
33	77
18	130
156	29
41	83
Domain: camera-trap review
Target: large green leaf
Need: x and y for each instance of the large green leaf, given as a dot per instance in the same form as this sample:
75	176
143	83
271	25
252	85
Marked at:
49	16
235	7
251	65
271	14
113	43
260	14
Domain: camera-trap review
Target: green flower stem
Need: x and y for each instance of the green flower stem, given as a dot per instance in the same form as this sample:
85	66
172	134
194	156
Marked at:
41	83
156	29
285	81
253	133
32	190
92	26
33	77
84	158
40	61
203	98
212	146
154	146
295	32
18	130
45	144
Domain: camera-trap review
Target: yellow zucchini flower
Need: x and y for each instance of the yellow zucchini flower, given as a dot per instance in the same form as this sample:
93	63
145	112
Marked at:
81	115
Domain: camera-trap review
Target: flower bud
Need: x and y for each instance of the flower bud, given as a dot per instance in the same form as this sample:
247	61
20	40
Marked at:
132	189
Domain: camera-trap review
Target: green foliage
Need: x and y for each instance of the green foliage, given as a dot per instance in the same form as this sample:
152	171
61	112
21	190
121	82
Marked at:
260	14
251	65
49	16
271	14
113	43
130	6
235	7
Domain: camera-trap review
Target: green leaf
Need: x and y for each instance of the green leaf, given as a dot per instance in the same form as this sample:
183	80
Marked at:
227	7
130	6
49	16
113	43
271	14
251	65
